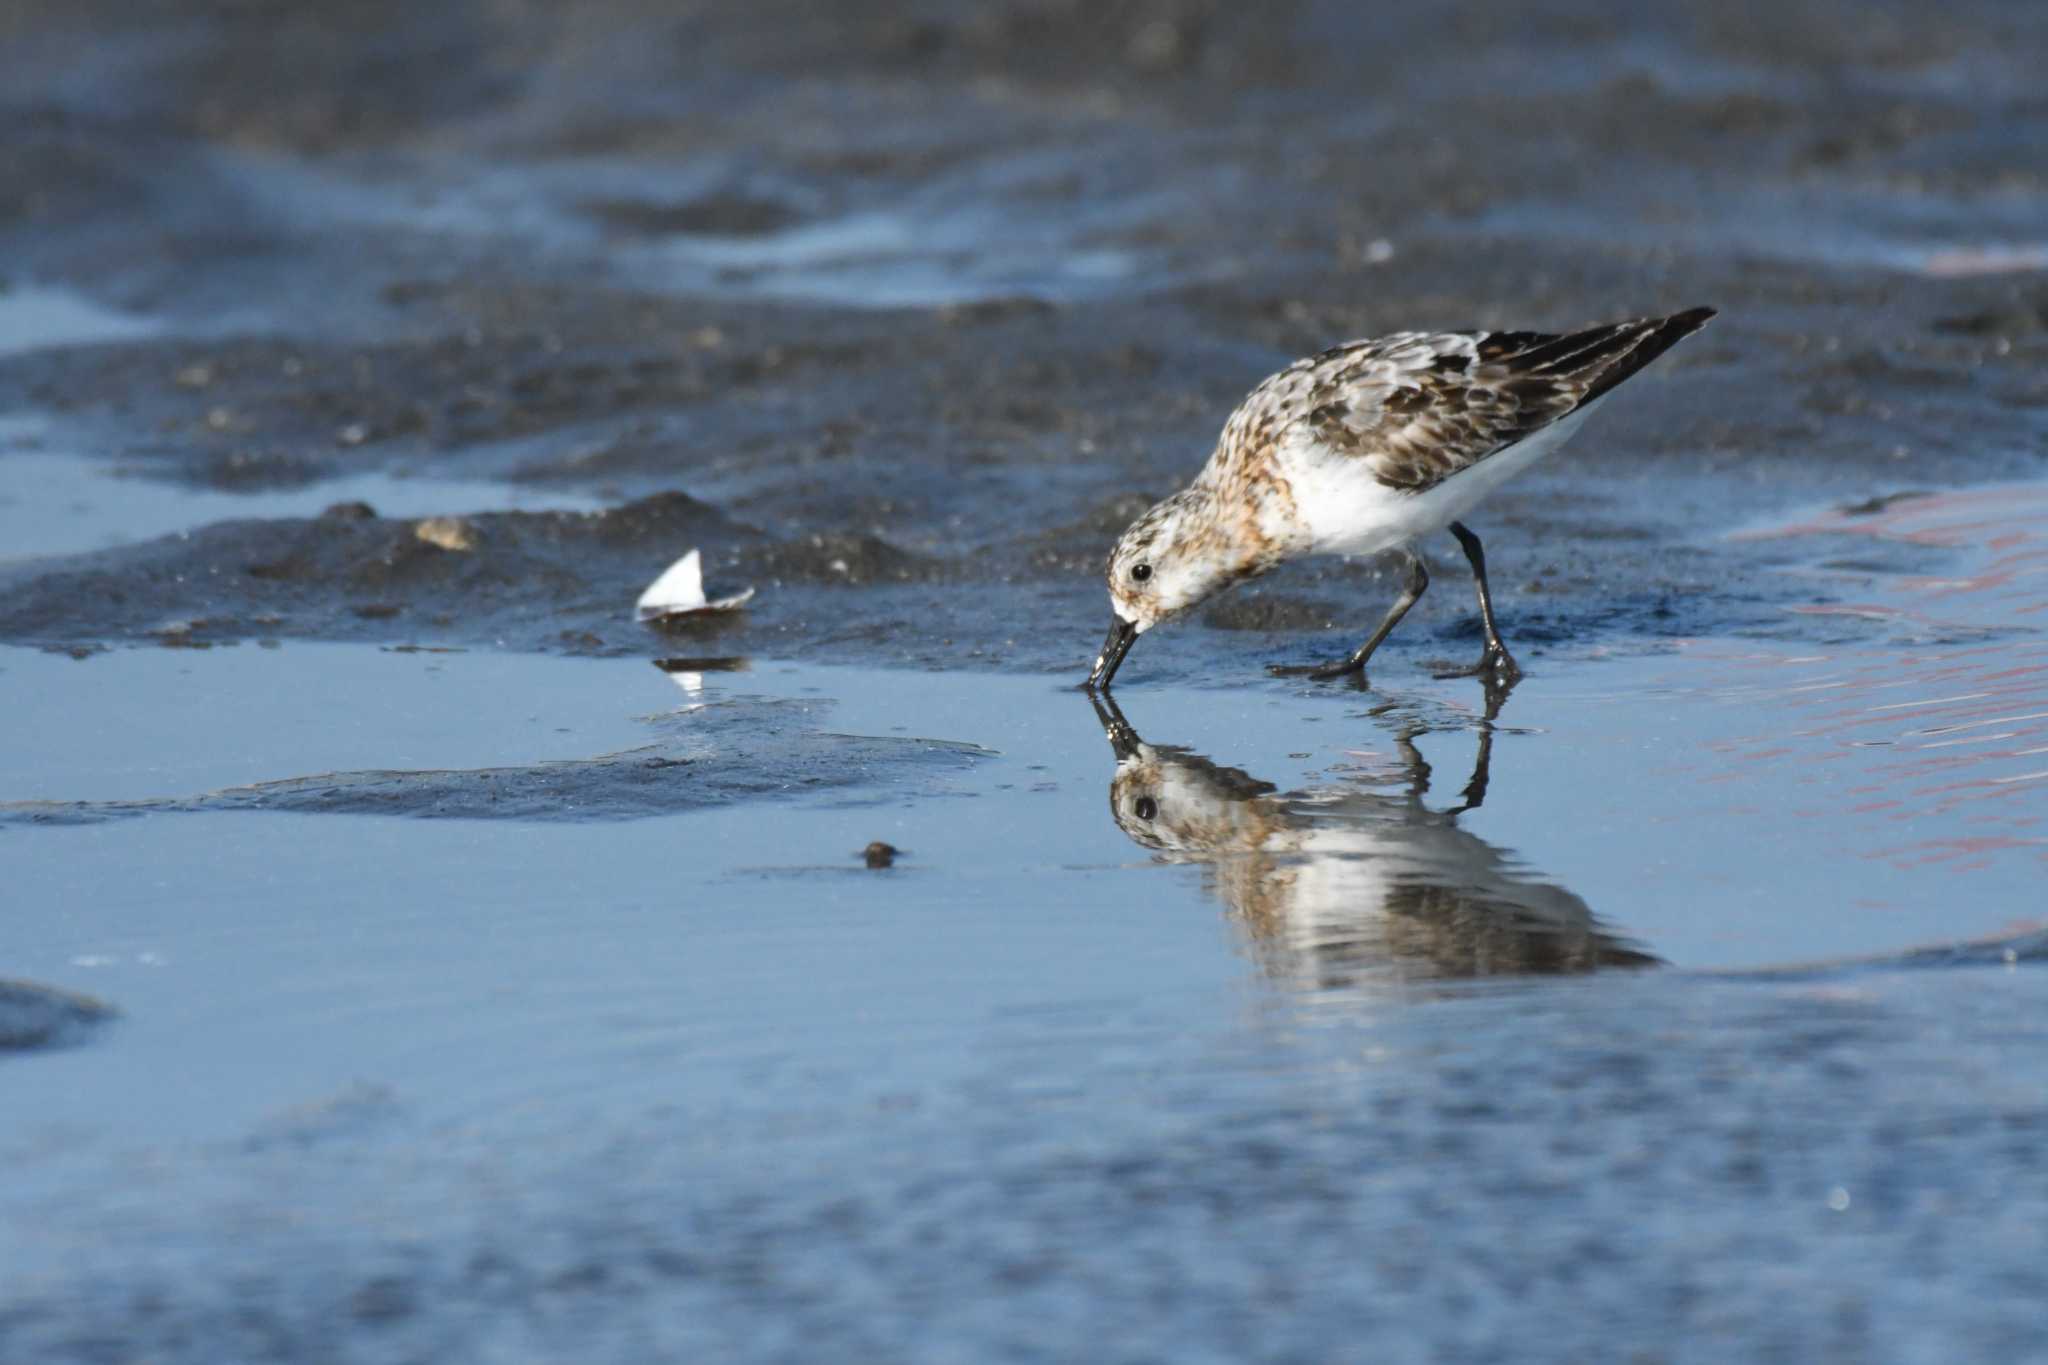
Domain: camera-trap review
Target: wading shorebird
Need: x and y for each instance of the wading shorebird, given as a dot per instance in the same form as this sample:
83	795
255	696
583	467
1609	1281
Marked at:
1362	449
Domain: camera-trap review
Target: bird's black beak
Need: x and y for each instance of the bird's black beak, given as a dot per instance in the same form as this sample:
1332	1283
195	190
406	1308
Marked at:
1122	634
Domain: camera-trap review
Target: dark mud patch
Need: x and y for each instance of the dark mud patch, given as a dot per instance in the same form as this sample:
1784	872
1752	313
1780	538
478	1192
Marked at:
1276	612
727	752
34	1017
548	581
512	369
717	215
2021	316
1066	546
248	470
846	559
532	577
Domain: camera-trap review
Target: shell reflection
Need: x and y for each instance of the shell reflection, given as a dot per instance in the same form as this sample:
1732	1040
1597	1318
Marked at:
1338	887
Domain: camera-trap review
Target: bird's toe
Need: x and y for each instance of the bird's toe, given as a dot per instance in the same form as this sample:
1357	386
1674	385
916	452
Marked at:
1496	665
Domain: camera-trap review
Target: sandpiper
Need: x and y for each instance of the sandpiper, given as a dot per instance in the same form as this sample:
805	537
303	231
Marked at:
1363	449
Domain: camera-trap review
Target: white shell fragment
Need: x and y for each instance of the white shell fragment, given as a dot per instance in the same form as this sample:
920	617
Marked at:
455	534
680	592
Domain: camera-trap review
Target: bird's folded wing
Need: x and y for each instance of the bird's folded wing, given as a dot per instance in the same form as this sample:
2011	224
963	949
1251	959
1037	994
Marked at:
1421	407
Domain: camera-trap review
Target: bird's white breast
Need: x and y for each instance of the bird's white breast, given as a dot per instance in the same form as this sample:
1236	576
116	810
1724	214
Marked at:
1344	509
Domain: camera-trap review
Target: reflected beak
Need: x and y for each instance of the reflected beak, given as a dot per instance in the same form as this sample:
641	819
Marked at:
1122	634
1123	740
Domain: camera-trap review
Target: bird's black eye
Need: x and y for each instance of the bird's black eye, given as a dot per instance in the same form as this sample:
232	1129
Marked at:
1145	808
1141	572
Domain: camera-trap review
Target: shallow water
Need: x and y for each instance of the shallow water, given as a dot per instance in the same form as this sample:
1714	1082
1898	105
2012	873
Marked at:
1644	785
1702	809
34	317
1210	972
1103	964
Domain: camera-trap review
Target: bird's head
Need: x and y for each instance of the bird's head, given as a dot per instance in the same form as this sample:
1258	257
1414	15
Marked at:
1170	560
1177	802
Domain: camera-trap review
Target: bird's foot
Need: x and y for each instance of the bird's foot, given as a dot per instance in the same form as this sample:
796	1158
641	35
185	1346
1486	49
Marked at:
1496	668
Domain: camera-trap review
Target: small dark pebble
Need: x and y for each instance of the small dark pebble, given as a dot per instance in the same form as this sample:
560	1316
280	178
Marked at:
350	511
879	854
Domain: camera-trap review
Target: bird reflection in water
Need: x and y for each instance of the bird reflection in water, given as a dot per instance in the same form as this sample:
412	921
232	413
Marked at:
1340	887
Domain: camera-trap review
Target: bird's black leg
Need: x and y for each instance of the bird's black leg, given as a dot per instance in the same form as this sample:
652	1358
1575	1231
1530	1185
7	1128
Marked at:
1496	665
1482	767
1418	769
1411	591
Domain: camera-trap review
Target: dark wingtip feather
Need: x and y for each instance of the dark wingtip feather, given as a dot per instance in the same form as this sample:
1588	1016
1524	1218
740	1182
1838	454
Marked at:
1658	335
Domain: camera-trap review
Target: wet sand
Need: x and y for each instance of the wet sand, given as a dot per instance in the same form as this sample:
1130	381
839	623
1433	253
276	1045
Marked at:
930	303
528	1000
